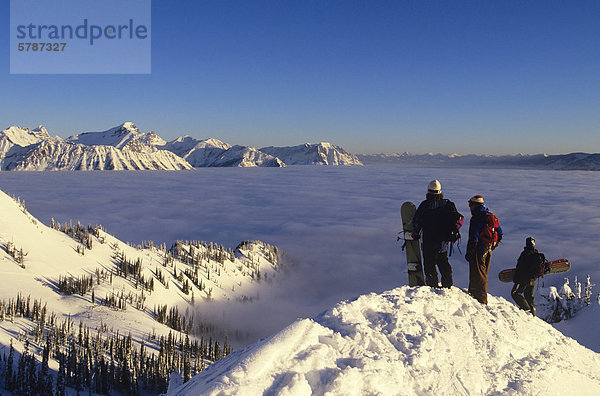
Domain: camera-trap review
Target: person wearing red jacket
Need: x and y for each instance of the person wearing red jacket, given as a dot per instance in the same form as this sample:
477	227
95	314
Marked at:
483	239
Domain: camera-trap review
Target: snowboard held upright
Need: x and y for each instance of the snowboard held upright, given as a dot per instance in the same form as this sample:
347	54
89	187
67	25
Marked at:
554	267
413	250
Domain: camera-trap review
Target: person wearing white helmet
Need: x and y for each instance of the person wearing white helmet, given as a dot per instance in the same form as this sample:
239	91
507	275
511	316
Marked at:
439	222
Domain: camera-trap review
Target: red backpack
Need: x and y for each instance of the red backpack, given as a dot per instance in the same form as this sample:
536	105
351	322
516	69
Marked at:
489	235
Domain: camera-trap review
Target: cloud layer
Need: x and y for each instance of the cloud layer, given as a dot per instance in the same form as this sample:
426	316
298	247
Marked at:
337	225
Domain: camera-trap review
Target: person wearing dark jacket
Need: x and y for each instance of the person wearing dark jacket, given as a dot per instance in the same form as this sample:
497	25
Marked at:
529	266
439	221
479	249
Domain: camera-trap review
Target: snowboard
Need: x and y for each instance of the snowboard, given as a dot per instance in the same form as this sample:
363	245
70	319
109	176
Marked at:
555	267
413	250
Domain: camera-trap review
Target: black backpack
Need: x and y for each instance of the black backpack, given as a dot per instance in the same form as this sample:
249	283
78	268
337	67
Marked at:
451	223
542	265
535	266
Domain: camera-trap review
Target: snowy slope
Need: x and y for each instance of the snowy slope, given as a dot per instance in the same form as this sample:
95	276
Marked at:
408	341
313	154
221	274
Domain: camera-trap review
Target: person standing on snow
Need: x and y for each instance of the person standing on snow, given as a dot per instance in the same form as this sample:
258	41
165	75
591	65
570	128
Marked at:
530	265
439	221
485	234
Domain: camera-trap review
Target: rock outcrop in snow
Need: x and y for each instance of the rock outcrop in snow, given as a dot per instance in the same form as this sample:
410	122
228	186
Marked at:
408	341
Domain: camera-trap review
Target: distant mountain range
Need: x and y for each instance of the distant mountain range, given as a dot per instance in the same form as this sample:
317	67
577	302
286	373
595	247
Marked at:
573	161
126	148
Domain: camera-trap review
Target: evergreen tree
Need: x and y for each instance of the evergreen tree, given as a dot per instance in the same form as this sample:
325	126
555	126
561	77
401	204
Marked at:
20	385
8	378
61	377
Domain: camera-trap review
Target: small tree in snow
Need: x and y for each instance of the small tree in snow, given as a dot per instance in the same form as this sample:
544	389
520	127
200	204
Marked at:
557	305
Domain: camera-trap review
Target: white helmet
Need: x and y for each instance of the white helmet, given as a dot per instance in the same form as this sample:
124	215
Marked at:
434	187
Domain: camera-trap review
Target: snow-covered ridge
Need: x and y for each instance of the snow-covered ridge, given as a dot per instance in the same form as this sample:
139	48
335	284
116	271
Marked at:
323	153
60	155
120	148
572	161
226	273
124	147
124	135
409	341
85	274
26	136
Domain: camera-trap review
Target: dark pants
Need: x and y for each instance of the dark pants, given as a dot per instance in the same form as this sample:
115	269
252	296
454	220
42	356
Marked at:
522	293
479	268
432	258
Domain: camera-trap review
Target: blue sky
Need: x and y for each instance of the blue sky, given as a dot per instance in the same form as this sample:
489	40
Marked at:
371	76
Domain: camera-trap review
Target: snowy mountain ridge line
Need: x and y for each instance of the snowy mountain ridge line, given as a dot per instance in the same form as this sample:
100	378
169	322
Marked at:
50	249
125	135
59	155
36	150
138	150
572	161
408	341
124	147
189	274
323	153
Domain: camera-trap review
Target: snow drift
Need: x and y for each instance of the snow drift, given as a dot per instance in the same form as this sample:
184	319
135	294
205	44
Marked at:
408	341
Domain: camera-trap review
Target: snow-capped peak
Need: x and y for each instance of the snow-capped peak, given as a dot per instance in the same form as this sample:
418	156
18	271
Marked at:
25	136
129	126
124	128
216	143
134	149
126	134
41	130
323	153
121	147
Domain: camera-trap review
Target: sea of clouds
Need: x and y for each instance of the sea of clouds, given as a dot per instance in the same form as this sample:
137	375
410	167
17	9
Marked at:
337	225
